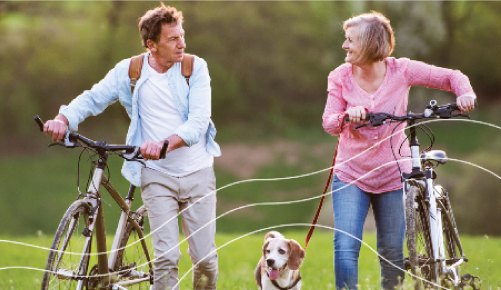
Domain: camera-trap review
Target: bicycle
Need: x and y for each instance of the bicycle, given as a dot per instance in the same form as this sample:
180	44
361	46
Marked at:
435	254
129	262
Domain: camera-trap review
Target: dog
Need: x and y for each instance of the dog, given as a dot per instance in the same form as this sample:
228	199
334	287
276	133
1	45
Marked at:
278	267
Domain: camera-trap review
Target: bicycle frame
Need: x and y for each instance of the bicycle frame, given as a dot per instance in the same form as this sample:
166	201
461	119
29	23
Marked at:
96	226
425	180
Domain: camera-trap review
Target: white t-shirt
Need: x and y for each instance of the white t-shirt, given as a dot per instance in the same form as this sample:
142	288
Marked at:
159	118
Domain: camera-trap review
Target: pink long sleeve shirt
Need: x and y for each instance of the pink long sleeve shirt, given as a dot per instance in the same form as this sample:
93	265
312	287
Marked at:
364	156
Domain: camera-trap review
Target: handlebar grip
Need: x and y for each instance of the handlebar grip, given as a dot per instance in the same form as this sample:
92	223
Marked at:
164	149
367	117
39	122
454	106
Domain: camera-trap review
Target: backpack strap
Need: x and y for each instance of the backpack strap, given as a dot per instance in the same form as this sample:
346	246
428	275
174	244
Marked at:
136	64
187	66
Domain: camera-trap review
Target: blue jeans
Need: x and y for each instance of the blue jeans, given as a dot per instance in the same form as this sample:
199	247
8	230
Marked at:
351	205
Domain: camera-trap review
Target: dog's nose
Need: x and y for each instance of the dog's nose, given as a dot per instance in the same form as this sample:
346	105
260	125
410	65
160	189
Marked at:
270	262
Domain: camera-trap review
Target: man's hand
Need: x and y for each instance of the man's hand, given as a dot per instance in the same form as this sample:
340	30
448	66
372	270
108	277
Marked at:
56	128
151	149
356	114
466	103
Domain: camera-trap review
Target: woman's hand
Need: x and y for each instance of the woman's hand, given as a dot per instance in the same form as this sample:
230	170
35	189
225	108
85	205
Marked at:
356	114
466	103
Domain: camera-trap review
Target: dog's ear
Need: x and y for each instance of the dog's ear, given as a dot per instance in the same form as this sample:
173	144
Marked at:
265	246
296	255
270	235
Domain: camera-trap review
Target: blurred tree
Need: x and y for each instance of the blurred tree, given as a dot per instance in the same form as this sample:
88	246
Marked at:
268	61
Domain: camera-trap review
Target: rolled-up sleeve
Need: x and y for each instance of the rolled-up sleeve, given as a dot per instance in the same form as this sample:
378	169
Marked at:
335	107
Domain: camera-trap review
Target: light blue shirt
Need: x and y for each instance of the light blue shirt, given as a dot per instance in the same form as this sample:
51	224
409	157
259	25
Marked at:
193	103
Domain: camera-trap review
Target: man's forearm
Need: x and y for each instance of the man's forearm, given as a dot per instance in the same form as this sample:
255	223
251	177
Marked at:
175	142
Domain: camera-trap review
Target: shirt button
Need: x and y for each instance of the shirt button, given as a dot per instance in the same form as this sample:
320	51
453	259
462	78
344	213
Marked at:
375	137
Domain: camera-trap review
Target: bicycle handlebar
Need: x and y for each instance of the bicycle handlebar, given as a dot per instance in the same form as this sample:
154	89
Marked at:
71	140
432	111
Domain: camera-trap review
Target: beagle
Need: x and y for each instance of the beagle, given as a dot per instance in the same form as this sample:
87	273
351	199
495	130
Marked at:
278	267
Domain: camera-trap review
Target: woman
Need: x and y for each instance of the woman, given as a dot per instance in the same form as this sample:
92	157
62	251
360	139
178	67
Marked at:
365	172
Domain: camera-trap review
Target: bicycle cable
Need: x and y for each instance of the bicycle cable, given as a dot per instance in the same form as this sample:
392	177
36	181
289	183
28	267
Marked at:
391	145
422	127
78	170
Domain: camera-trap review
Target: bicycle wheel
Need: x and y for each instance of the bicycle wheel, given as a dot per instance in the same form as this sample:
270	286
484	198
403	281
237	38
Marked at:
133	266
418	236
66	266
452	243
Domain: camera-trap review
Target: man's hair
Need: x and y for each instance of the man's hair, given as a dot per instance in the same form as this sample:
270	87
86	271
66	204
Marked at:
150	24
375	34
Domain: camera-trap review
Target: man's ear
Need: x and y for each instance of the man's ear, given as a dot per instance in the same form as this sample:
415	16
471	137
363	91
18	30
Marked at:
152	46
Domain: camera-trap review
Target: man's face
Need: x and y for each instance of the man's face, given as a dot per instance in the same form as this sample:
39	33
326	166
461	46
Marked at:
170	47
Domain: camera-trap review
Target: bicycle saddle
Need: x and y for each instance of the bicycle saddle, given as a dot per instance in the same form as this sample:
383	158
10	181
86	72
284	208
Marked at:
434	155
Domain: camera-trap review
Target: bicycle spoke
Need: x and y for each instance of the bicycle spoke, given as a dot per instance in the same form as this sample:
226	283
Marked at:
69	257
132	260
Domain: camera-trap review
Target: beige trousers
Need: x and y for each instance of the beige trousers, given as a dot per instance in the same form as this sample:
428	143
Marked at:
194	197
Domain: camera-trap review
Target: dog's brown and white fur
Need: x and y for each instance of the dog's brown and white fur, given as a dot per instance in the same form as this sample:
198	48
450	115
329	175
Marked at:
279	264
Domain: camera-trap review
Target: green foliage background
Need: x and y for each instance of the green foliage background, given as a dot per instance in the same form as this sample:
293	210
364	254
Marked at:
269	63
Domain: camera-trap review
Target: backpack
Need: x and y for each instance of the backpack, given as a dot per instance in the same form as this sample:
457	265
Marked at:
136	64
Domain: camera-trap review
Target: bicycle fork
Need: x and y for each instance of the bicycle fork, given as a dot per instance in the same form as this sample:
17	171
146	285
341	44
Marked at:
96	223
436	233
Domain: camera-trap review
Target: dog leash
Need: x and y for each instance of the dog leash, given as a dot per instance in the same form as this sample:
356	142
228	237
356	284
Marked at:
326	188
317	214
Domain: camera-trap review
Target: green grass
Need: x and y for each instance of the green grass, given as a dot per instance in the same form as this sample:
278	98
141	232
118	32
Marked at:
44	184
237	261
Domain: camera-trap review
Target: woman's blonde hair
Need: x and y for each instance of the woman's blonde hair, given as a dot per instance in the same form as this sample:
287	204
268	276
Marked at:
375	35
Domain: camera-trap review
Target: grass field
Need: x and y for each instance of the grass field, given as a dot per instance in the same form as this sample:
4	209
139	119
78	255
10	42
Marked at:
38	187
239	256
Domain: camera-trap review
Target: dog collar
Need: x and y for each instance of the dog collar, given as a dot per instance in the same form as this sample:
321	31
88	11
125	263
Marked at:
274	282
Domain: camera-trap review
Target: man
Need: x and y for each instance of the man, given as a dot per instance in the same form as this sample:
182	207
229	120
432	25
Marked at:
164	107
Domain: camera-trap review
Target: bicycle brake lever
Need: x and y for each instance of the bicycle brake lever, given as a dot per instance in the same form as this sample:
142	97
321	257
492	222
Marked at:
67	143
460	115
131	156
56	144
360	126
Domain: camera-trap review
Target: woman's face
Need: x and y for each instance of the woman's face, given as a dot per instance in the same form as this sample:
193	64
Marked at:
352	45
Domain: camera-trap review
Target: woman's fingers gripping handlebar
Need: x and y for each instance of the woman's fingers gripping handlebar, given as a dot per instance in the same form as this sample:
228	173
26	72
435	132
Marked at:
466	103
432	111
356	114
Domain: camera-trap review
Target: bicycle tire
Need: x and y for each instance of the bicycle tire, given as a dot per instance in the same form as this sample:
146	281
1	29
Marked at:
419	244
133	257
452	243
64	257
